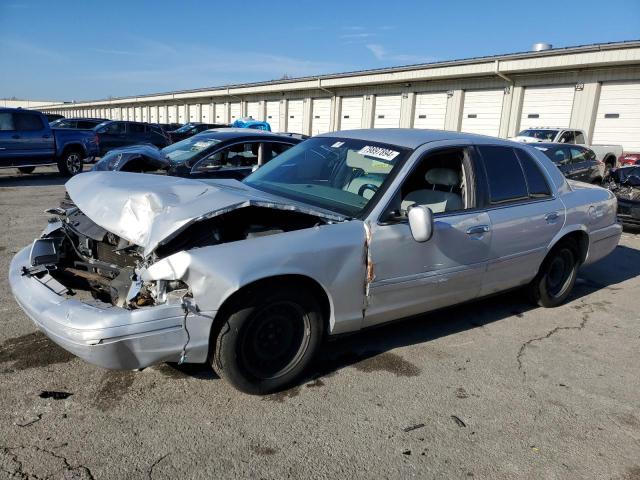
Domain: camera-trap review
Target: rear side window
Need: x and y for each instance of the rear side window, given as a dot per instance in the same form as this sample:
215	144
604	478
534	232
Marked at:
536	181
580	138
278	148
27	121
504	174
6	121
136	128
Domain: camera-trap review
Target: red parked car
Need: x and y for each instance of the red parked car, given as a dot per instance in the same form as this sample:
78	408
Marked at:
629	159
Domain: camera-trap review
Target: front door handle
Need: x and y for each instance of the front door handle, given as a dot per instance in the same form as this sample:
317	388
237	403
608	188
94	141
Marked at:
46	136
551	217
478	229
15	136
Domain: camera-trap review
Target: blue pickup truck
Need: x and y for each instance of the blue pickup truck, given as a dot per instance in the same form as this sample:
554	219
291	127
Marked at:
27	141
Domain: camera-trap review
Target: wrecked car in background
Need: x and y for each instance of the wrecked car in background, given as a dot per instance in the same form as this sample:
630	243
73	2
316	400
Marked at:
341	232
624	182
221	153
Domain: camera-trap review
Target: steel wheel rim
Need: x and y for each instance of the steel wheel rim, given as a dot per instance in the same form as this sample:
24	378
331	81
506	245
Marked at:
559	273
275	339
74	162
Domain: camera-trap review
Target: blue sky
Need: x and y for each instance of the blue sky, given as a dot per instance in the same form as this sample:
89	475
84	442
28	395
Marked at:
79	50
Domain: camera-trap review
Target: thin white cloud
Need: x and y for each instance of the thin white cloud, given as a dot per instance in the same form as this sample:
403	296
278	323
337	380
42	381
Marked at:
382	54
30	49
355	36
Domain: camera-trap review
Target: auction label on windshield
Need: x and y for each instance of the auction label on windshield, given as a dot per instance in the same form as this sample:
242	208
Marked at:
378	152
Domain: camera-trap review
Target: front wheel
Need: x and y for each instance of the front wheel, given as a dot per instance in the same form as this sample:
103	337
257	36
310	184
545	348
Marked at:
268	338
557	276
71	163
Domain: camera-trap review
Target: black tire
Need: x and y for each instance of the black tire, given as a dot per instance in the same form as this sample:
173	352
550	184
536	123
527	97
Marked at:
267	339
26	170
557	276
70	163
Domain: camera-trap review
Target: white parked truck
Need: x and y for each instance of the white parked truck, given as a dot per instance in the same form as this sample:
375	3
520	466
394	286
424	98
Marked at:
607	154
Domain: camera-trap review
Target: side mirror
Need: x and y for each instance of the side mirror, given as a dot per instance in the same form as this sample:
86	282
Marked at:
421	223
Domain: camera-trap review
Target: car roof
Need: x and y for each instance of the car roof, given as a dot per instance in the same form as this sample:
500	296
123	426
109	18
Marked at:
86	118
555	145
235	133
413	137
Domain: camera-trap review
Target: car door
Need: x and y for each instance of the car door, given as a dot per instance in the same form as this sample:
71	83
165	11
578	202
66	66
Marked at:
580	165
562	158
35	139
525	216
111	136
409	277
8	139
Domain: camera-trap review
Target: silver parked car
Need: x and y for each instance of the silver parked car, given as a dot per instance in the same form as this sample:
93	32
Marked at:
344	231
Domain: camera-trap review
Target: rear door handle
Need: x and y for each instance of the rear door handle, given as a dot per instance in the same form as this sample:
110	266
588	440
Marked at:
550	217
478	229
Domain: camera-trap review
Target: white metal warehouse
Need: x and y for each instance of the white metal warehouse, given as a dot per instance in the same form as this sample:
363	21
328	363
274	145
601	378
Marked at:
593	87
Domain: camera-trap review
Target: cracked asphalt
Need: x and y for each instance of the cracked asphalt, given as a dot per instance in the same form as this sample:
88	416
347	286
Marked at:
493	389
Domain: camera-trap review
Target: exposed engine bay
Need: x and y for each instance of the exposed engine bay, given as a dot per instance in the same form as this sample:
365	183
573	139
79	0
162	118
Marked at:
83	256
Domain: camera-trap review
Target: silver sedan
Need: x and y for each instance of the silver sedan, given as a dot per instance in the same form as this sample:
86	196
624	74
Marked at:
342	232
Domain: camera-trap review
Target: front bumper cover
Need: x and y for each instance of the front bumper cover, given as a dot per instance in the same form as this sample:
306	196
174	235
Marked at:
105	335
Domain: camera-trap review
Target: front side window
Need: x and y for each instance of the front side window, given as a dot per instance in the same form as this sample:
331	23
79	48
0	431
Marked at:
578	155
337	174
114	128
439	181
6	121
504	174
234	156
27	121
136	128
567	137
580	138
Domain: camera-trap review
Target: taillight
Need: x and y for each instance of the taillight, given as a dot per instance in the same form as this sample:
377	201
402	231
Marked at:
96	139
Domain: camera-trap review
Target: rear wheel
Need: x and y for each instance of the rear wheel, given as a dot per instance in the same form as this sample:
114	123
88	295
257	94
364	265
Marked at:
557	276
26	170
268	338
70	163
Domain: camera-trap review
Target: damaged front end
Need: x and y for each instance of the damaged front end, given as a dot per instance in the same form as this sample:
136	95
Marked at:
85	257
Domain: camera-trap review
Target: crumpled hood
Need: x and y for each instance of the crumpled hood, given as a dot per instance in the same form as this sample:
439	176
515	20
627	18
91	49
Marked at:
148	210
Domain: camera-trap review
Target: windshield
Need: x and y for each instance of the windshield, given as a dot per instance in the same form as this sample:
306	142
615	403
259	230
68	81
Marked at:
188	149
548	135
336	174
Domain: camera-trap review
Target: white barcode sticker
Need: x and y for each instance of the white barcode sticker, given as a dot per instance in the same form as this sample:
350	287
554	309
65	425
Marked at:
378	152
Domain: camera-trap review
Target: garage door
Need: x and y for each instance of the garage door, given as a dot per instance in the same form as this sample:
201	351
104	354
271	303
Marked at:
273	115
387	111
431	109
130	115
220	113
294	116
193	113
547	107
482	111
351	114
173	114
153	118
205	108
162	114
321	115
138	114
182	114
254	110
236	112
115	114
618	117
145	114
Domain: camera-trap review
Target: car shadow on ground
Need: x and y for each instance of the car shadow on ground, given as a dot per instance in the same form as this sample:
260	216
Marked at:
369	350
45	179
